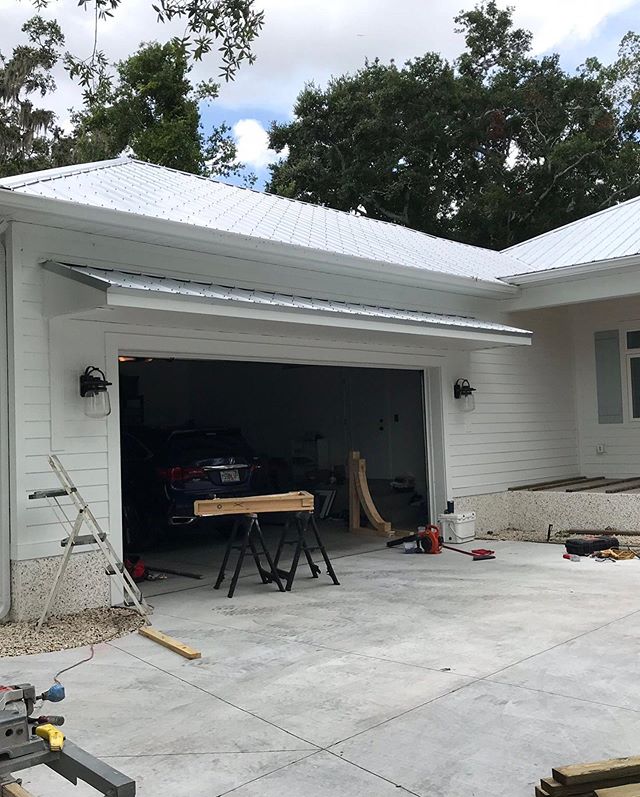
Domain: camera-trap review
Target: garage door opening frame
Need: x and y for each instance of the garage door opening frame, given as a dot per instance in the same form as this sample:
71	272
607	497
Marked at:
284	351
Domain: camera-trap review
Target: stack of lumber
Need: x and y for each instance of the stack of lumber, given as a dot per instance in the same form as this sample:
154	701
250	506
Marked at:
616	777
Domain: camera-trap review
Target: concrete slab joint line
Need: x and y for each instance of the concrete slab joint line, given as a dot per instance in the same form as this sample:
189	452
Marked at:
315	696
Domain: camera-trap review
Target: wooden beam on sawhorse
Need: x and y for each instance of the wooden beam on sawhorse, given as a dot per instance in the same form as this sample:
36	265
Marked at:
360	496
300	501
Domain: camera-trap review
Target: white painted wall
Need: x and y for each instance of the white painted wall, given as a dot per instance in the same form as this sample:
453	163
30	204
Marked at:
621	441
524	426
523	429
49	355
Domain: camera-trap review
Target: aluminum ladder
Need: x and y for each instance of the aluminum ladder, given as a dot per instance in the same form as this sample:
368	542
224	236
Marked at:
96	536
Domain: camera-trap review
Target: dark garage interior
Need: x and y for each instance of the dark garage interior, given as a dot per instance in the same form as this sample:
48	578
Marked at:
291	425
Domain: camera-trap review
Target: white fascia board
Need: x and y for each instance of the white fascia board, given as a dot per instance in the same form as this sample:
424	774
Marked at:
133	298
562	273
105	221
579	286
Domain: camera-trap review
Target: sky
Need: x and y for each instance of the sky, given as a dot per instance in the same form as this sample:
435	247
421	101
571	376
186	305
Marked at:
311	40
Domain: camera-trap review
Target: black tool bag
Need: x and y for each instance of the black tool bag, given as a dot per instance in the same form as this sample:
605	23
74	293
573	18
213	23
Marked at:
584	546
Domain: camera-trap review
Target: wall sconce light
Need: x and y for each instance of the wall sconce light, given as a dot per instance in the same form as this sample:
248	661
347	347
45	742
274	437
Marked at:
93	389
463	390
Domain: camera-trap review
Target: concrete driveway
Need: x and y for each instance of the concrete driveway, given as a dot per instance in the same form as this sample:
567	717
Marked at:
422	675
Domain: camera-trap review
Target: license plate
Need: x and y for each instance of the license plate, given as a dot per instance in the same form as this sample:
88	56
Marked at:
227	476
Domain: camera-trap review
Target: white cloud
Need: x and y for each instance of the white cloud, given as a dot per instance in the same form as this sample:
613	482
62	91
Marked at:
305	40
252	144
556	22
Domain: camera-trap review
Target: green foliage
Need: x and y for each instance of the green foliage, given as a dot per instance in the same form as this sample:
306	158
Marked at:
491	149
232	25
29	137
151	110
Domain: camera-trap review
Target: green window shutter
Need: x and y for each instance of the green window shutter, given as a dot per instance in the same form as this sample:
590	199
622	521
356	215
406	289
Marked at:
608	376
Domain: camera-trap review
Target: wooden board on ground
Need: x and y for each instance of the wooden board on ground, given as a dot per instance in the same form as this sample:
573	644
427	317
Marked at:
553	788
169	642
598	485
549	786
598	771
624	488
633	790
299	501
567	484
552	483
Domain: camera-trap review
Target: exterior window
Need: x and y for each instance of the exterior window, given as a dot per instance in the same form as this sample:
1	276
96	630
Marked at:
634	384
633	372
608	377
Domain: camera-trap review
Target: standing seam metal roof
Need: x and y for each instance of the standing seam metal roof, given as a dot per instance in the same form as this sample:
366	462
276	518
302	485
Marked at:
132	186
607	235
223	293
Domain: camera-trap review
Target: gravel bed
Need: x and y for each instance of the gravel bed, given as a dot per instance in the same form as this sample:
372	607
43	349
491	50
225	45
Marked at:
557	538
69	631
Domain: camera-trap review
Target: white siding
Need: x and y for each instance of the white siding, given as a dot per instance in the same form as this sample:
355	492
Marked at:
48	357
524	426
621	441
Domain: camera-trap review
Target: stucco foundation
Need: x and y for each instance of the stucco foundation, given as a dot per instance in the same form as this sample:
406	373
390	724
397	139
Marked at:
534	511
85	585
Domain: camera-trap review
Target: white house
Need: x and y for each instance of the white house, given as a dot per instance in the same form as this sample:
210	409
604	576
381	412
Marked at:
109	261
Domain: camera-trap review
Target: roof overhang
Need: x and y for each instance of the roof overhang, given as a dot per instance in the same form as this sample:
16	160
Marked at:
77	290
76	216
587	282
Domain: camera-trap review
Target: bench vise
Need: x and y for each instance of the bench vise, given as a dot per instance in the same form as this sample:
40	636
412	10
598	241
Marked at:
26	741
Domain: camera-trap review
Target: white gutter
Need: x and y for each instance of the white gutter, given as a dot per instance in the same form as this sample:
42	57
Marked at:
105	221
5	493
562	273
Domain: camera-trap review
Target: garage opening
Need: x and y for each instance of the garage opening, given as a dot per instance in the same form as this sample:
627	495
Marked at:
198	428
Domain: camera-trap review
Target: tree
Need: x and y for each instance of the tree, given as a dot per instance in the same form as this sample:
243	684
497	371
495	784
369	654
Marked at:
231	24
152	111
29	137
490	149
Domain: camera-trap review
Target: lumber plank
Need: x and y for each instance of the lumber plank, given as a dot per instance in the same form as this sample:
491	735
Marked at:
14	790
632	790
299	501
152	633
552	483
598	771
354	501
553	788
634	485
550	786
567	484
601	483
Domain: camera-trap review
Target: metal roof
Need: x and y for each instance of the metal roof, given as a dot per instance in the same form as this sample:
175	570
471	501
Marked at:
132	186
226	294
607	235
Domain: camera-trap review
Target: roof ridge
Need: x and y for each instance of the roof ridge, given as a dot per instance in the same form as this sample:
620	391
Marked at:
509	249
337	211
44	175
62	171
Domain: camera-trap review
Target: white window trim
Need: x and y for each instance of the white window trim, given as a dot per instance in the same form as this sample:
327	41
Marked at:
626	355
